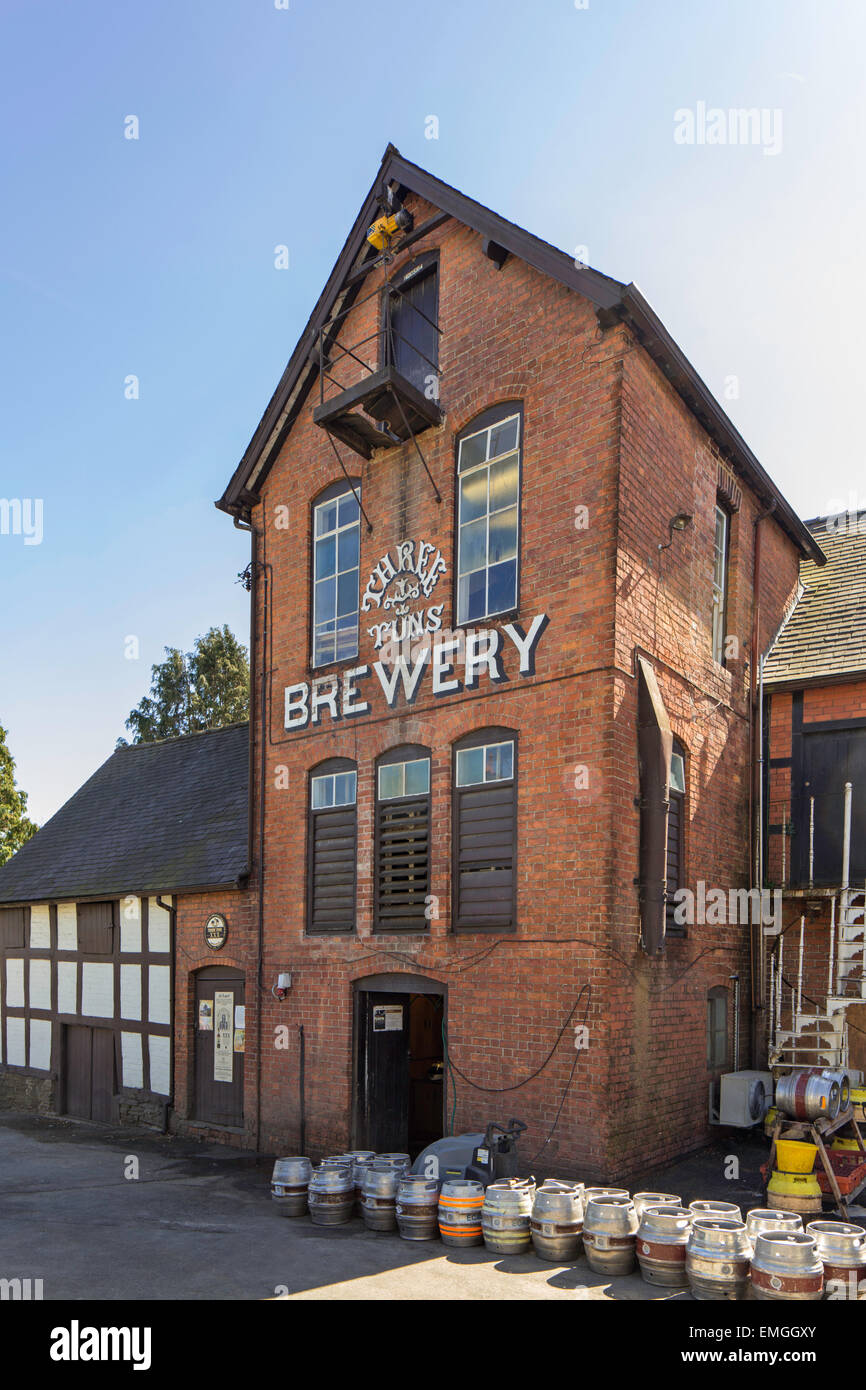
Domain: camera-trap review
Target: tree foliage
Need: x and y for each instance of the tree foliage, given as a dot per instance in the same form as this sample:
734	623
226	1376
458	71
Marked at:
15	825
192	691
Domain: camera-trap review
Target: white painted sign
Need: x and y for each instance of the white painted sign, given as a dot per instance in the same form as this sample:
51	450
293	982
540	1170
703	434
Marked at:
223	1035
450	665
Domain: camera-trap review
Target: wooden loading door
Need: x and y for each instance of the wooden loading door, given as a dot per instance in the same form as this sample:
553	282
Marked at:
89	1072
219	1089
383	1071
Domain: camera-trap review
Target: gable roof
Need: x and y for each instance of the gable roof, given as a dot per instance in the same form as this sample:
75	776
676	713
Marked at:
825	636
156	817
614	302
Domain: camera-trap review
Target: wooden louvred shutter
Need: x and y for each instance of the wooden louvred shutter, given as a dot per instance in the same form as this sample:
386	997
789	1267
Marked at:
332	857
13	927
484	849
402	857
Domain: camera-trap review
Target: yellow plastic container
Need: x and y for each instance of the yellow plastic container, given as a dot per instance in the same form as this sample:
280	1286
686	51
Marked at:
845	1145
793	1156
858	1101
770	1119
794	1191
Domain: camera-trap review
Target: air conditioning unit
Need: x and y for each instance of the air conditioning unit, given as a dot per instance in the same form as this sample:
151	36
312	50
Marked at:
745	1097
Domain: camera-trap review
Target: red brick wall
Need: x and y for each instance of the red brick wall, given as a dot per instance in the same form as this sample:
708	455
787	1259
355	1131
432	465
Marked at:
601	430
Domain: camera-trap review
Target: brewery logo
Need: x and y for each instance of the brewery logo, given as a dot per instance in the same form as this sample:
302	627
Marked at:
398	581
216	930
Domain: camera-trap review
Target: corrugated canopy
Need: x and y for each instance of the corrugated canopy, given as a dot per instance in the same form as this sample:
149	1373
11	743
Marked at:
157	817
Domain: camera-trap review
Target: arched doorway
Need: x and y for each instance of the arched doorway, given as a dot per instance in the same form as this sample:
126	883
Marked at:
219	1046
399	1067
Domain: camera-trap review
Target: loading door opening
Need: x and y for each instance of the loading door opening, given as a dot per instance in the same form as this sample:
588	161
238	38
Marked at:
400	1073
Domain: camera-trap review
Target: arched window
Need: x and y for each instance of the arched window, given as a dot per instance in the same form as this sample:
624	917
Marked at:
484	834
676	862
402	877
335	561
332	846
488	488
717	1028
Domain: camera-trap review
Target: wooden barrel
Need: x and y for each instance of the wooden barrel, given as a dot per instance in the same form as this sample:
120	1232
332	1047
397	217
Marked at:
610	1226
786	1266
331	1194
459	1212
717	1259
417	1208
556	1223
841	1249
505	1215
289	1182
379	1196
661	1245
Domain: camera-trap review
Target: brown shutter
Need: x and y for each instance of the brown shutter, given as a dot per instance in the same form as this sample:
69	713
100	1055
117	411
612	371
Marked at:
484	836
332	857
96	928
674	862
13	927
655	742
402	863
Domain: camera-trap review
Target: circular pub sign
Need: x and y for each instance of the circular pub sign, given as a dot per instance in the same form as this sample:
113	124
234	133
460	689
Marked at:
216	929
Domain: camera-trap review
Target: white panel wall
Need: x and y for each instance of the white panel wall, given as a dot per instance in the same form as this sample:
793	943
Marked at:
130	924
67	987
159	984
130	1048
15	982
160	1064
158	926
40	927
40	1044
15	1042
40	984
67	927
97	990
130	991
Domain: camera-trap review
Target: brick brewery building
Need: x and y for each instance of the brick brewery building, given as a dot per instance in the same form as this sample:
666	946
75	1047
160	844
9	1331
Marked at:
512	570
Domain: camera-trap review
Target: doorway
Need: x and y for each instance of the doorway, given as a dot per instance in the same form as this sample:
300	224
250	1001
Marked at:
88	1072
219	1025
400	1086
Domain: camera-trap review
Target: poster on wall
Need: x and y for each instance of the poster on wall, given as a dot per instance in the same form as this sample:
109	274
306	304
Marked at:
223	1041
240	1026
205	1015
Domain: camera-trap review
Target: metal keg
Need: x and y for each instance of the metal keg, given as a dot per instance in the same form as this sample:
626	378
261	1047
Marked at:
460	1203
556	1223
289	1182
590	1192
786	1265
379	1196
331	1194
771	1219
417	1207
841	1249
843	1080
400	1161
725	1211
717	1259
654	1199
363	1159
661	1244
807	1095
505	1215
610	1226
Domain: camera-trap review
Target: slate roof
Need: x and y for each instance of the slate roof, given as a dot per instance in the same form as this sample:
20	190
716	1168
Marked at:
613	300
156	817
825	637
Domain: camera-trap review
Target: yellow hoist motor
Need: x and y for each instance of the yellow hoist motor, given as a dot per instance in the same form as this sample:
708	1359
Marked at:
384	229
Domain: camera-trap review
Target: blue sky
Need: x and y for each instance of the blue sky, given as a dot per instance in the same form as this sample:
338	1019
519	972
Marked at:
261	126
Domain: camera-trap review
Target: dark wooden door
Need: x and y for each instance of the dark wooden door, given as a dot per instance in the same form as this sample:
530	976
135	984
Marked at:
217	1098
89	1074
415	340
77	1054
829	761
101	1074
383	1071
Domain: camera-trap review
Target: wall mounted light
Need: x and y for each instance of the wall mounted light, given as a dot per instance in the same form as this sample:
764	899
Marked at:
676	523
